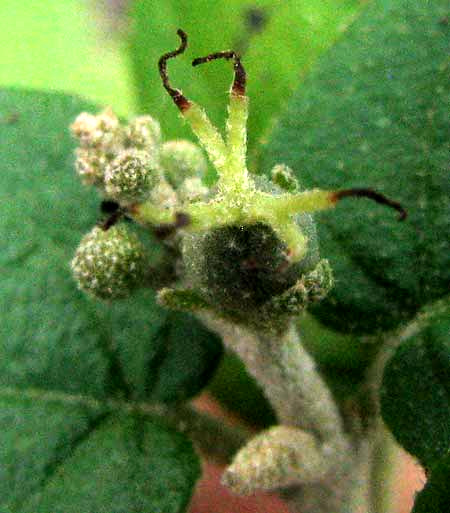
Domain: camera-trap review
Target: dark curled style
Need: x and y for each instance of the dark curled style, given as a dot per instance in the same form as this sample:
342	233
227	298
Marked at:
114	212
373	195
164	230
238	86
177	96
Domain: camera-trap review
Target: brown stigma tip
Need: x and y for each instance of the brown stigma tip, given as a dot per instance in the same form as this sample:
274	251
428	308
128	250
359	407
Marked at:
371	194
240	78
177	96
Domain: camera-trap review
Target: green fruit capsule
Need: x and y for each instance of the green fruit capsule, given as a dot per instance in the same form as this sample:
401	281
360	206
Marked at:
109	264
239	270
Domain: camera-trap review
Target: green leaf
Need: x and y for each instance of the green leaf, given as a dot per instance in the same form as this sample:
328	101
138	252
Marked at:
415	393
279	43
52	335
69	458
55	340
435	497
373	113
56	45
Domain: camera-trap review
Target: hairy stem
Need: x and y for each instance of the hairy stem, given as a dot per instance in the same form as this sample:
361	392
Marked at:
381	472
287	375
308	458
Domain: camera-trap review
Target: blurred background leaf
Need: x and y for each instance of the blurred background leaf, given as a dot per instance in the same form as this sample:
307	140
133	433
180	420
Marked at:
67	457
435	497
62	46
415	394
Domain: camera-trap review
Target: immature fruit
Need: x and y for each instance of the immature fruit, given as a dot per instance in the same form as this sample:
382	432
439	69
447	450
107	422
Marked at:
109	264
240	269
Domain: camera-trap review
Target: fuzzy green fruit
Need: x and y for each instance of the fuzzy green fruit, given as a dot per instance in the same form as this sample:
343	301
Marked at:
239	270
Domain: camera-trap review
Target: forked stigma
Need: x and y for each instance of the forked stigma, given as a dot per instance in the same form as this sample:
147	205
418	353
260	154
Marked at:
373	195
177	96
238	86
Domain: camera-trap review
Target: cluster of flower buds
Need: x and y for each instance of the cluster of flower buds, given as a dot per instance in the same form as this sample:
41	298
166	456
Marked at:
130	166
128	162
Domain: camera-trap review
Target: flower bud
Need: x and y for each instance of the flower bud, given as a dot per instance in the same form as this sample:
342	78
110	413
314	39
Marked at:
278	457
131	176
90	164
310	288
164	195
192	190
101	131
182	159
109	264
284	178
143	133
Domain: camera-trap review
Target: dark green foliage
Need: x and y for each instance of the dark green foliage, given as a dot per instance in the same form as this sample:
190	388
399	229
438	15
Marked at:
415	395
435	497
67	458
234	387
53	339
374	112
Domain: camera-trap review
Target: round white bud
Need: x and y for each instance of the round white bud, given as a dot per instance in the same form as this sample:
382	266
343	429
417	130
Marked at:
143	133
90	164
101	131
109	264
131	176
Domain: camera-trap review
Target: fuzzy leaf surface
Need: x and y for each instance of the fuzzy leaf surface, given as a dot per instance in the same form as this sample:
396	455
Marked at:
374	113
415	393
69	458
53	339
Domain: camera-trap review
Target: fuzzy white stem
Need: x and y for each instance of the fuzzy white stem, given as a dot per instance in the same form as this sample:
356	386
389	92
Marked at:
288	376
309	455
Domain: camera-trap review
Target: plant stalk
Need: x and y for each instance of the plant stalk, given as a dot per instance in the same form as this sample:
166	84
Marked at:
289	378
